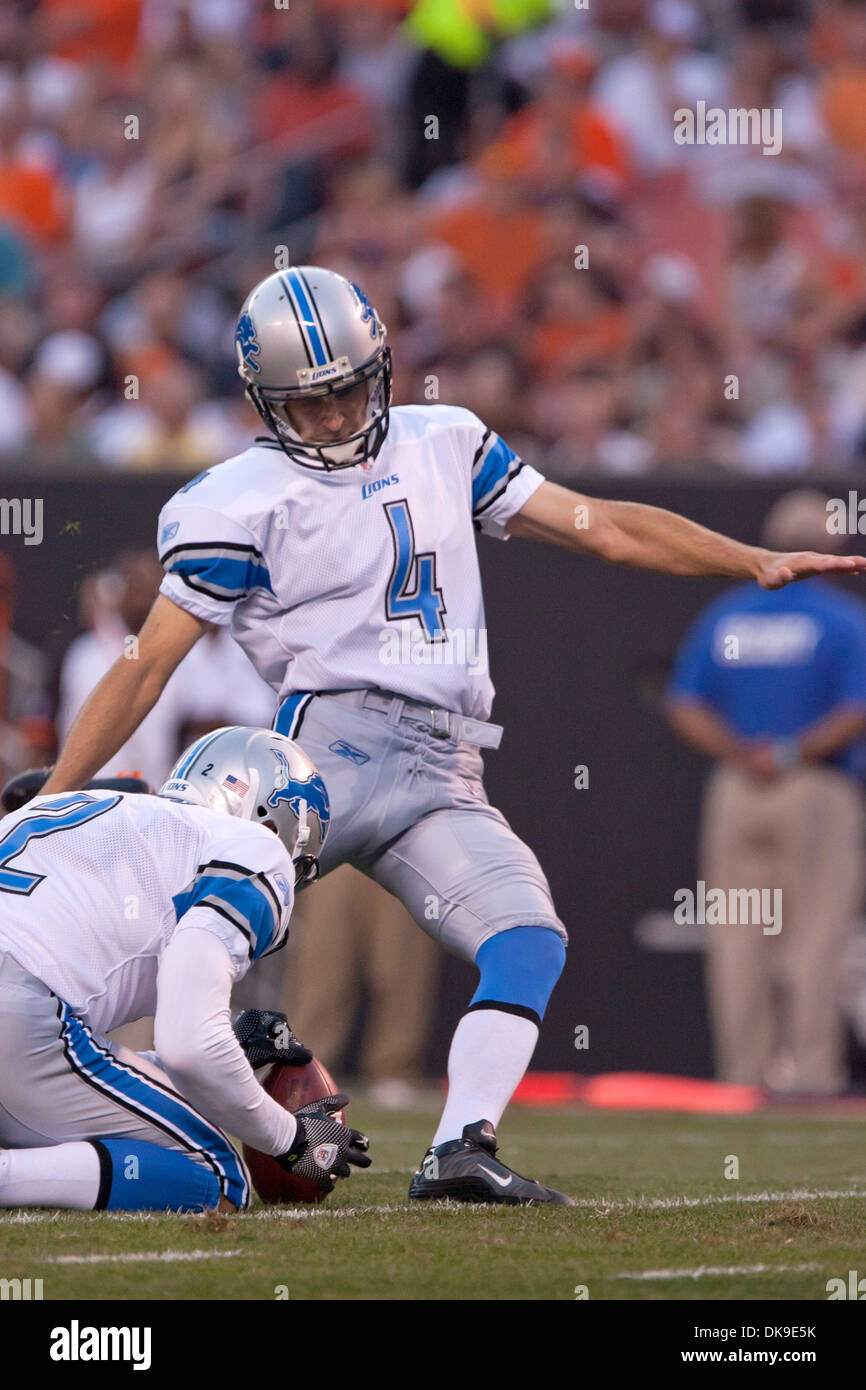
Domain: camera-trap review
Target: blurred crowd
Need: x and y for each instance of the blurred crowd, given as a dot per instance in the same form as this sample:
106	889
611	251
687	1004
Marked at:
504	182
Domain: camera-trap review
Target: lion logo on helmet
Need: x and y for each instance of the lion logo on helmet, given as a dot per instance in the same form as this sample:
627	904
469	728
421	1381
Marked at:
248	344
368	313
293	793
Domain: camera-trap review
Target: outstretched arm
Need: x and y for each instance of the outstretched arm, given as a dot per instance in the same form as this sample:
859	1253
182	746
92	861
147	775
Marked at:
125	695
629	533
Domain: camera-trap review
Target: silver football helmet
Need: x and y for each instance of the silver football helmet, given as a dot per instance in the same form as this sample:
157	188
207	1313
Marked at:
261	776
313	358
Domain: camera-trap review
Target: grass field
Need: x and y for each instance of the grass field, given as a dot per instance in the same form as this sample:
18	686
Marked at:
656	1219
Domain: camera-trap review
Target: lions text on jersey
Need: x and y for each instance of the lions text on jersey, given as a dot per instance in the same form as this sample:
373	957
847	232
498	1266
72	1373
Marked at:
362	578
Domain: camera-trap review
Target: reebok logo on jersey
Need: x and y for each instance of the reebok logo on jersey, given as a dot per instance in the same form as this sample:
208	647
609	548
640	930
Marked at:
369	488
346	750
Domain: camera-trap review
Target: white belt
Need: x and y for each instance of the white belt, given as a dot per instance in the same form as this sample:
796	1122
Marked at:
441	723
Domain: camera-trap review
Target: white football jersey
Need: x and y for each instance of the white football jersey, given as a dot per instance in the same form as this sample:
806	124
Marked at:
93	885
365	577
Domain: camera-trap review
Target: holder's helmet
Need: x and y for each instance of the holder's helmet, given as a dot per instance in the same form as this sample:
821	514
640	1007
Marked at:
260	776
313	358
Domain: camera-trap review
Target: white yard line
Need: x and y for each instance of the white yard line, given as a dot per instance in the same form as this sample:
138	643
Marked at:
141	1257
301	1213
708	1271
601	1205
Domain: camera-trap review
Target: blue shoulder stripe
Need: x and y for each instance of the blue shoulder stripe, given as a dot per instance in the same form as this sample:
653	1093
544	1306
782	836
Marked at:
242	898
496	468
221	570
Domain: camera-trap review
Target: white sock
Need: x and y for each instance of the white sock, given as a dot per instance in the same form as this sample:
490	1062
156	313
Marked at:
489	1053
64	1175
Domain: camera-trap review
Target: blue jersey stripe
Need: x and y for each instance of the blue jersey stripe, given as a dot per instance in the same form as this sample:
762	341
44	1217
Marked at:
494	468
287	720
250	908
238	576
154	1103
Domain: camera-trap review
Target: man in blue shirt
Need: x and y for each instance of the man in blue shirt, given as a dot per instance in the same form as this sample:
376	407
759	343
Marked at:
772	686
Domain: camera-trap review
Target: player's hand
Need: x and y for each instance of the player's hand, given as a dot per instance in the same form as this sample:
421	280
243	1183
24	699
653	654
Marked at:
759	762
265	1036
775	570
323	1148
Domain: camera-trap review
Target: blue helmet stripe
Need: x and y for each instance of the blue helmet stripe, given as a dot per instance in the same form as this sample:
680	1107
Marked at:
308	320
183	768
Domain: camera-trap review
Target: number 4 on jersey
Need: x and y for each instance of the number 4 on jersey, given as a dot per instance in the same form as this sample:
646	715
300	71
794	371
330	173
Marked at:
412	589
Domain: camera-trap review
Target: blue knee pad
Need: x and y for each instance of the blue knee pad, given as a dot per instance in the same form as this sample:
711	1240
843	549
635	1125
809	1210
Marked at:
519	968
135	1176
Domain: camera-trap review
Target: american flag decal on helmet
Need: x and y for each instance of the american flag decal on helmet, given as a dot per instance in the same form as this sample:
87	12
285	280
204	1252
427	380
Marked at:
234	784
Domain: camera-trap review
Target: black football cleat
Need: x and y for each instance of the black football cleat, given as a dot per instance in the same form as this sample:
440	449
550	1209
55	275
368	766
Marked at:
467	1170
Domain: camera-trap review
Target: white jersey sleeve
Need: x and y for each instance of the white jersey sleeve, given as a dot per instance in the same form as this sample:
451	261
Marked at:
212	561
242	892
201	1054
501	482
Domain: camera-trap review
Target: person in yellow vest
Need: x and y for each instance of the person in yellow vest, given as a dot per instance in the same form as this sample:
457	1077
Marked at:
455	39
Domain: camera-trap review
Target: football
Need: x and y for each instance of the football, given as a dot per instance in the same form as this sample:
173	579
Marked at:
291	1087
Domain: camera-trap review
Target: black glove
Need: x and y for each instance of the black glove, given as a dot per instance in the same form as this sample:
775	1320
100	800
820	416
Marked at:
265	1036
323	1148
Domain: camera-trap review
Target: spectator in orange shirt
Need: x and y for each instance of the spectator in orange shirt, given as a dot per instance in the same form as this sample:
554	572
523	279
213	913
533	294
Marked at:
497	235
577	320
561	134
305	93
84	31
843	94
31	197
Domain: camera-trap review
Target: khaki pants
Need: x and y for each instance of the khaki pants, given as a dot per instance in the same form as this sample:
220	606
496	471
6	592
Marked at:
346	930
775	997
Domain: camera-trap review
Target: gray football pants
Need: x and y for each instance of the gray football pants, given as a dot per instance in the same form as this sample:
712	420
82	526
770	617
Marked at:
410	810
